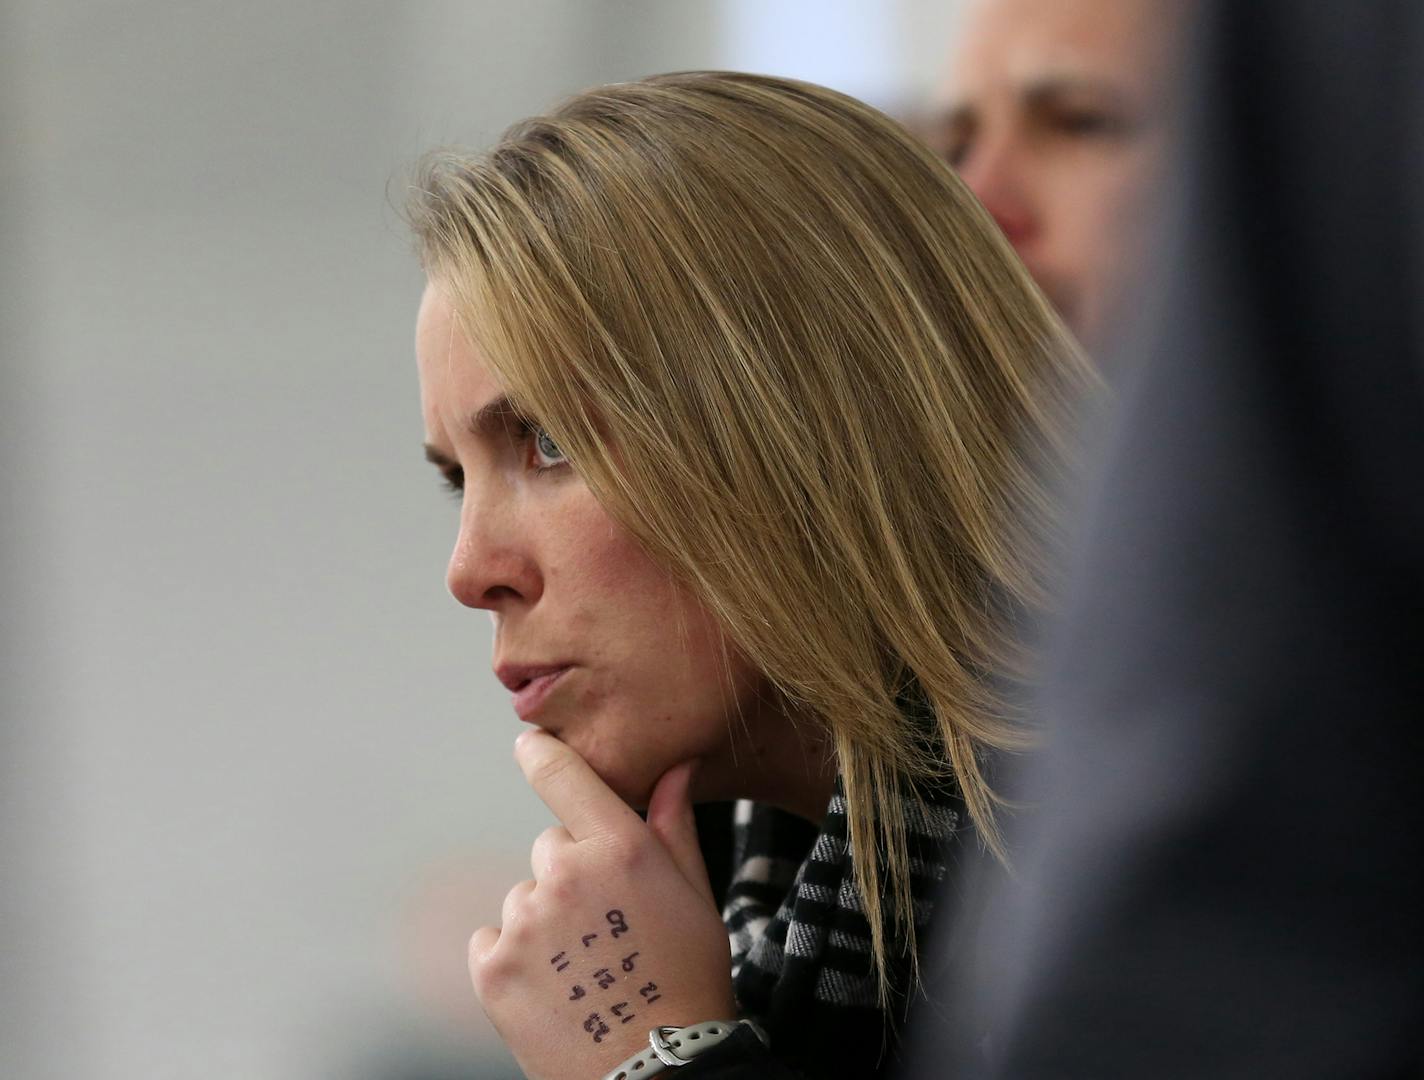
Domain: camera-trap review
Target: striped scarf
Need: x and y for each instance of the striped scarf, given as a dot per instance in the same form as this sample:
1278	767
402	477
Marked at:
801	960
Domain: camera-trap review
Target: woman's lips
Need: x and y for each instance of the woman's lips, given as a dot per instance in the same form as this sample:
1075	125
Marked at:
531	695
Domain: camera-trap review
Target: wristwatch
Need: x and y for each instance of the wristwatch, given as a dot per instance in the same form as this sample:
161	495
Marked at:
673	1047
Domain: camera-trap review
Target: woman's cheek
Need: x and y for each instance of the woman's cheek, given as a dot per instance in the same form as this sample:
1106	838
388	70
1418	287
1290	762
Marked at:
633	727
631	775
631	749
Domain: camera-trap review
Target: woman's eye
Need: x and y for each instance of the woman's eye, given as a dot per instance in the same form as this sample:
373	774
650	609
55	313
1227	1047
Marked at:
546	451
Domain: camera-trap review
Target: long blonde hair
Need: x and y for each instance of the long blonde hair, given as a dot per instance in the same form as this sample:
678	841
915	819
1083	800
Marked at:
785	347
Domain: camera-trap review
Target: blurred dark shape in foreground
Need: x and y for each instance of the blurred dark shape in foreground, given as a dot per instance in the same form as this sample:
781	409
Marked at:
1223	878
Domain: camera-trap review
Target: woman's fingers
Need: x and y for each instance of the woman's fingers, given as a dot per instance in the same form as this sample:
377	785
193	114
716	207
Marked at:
486	938
671	818
482	943
515	898
548	848
576	794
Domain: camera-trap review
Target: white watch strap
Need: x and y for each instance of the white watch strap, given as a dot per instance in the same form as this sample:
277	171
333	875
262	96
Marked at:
669	1047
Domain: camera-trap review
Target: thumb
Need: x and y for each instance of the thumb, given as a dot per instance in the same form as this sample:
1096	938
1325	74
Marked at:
671	819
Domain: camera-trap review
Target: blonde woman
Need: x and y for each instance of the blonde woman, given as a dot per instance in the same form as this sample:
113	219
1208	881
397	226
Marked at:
755	418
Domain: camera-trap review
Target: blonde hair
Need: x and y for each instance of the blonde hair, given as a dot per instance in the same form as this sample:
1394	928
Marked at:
788	351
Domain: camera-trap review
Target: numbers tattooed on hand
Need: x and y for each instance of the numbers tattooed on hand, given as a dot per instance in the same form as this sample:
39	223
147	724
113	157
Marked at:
620	927
595	1026
604	978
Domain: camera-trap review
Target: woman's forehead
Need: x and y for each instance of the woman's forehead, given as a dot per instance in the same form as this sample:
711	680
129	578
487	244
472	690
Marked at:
455	381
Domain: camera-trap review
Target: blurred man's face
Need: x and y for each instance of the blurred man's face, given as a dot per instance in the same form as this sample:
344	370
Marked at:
1053	114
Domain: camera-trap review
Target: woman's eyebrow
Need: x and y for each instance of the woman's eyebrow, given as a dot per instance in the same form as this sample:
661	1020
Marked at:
488	422
491	419
436	458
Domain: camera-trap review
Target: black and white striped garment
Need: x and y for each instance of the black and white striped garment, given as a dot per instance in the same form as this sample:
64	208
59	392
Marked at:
801	960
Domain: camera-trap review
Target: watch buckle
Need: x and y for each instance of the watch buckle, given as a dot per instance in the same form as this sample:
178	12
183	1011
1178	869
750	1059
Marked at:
658	1040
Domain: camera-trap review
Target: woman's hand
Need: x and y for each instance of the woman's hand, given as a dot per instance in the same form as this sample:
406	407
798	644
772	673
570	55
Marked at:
617	933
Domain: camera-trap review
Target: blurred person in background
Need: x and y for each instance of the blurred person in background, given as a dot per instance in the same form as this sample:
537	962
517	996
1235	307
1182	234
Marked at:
755	419
1058	115
1222	878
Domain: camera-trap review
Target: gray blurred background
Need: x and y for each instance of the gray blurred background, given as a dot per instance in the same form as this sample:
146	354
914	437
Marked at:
257	783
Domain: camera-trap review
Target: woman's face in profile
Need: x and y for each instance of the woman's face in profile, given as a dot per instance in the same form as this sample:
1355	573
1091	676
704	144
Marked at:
597	644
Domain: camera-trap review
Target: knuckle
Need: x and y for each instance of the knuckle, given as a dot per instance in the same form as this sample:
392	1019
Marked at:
478	949
563	888
546	846
486	960
514	911
551	867
626	854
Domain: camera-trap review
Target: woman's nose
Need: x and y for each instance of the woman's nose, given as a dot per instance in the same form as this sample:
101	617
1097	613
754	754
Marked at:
492	566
